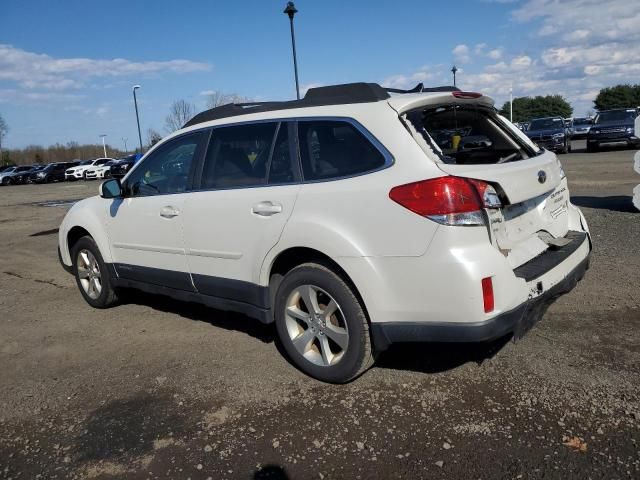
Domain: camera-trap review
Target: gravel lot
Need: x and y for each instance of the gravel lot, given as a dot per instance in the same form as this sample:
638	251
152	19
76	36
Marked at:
161	389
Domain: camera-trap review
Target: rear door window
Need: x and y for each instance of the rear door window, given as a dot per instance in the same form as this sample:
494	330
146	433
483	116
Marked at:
334	148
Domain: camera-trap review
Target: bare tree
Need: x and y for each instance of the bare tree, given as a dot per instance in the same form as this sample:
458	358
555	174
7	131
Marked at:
218	98
153	137
4	128
180	113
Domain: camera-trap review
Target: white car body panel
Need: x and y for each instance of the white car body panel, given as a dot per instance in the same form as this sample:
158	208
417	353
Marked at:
223	235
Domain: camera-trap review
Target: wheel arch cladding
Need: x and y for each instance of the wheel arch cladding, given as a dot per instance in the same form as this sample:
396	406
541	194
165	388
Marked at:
292	257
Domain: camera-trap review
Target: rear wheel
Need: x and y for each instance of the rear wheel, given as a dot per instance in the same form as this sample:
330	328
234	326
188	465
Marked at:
92	276
322	324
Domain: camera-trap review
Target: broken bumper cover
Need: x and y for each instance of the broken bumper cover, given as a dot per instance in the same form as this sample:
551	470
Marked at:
516	322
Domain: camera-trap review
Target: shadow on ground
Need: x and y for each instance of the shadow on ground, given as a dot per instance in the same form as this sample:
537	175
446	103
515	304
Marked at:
201	313
419	357
615	203
437	357
271	472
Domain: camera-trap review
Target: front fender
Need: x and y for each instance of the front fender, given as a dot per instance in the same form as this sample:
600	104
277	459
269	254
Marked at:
88	214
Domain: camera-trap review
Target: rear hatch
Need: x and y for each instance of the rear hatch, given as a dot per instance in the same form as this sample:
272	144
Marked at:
472	141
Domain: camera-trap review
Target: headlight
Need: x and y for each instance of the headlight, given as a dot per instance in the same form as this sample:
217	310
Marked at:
558	135
42	174
630	130
596	131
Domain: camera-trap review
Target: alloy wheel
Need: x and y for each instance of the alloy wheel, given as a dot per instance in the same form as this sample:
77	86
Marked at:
89	273
316	325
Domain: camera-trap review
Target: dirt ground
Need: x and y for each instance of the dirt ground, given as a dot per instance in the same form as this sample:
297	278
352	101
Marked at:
156	388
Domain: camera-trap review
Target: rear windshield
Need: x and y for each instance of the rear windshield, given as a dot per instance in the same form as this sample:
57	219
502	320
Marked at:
616	116
470	135
546	124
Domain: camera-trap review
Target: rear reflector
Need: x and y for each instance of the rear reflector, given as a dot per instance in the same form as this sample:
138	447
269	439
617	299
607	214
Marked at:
466	94
487	294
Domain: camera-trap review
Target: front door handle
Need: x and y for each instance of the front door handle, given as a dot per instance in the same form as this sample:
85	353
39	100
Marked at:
169	212
266	208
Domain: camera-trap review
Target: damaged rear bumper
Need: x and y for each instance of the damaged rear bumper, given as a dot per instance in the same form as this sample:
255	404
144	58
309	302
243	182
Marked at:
516	322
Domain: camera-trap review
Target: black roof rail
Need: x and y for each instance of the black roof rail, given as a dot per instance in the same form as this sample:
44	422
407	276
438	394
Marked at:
347	93
421	88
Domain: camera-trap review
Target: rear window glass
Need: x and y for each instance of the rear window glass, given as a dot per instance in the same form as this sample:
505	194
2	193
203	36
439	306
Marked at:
467	135
334	149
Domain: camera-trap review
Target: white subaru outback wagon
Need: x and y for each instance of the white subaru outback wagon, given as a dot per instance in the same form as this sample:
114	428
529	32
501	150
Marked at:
354	218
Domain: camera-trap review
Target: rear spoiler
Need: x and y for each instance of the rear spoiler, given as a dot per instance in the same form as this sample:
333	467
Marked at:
420	88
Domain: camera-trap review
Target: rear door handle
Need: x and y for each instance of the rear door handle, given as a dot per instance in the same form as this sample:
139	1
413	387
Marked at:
169	212
266	208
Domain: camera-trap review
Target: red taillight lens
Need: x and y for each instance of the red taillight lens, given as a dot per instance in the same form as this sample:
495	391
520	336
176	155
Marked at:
439	196
487	294
466	94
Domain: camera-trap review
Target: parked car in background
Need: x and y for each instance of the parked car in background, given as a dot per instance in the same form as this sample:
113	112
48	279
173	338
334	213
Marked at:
122	166
54	172
550	133
581	127
354	218
15	175
78	172
100	171
613	126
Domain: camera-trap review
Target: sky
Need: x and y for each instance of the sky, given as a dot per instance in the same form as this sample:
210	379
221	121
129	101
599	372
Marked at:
67	67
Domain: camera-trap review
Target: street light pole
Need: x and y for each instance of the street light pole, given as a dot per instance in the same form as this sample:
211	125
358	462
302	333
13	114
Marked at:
454	69
125	144
135	102
104	145
291	11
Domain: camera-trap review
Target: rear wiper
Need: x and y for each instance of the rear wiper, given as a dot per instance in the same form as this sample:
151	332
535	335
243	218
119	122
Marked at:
508	158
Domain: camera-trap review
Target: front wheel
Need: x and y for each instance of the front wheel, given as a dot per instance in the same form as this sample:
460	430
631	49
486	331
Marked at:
92	276
322	324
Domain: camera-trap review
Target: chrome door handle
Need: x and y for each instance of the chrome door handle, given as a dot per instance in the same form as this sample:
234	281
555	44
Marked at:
266	209
169	212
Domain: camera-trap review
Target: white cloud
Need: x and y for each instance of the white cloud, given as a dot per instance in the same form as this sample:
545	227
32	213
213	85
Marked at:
461	53
495	54
29	70
579	47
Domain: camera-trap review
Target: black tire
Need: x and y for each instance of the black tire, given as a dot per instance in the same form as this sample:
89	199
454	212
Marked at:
352	361
592	147
107	296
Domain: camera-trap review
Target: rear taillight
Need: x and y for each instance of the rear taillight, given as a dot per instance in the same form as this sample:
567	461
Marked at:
466	94
447	200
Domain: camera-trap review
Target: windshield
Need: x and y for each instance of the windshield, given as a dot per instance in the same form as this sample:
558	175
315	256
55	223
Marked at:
582	121
616	116
23	169
547	124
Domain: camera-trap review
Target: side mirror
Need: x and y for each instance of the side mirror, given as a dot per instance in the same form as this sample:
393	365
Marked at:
111	188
